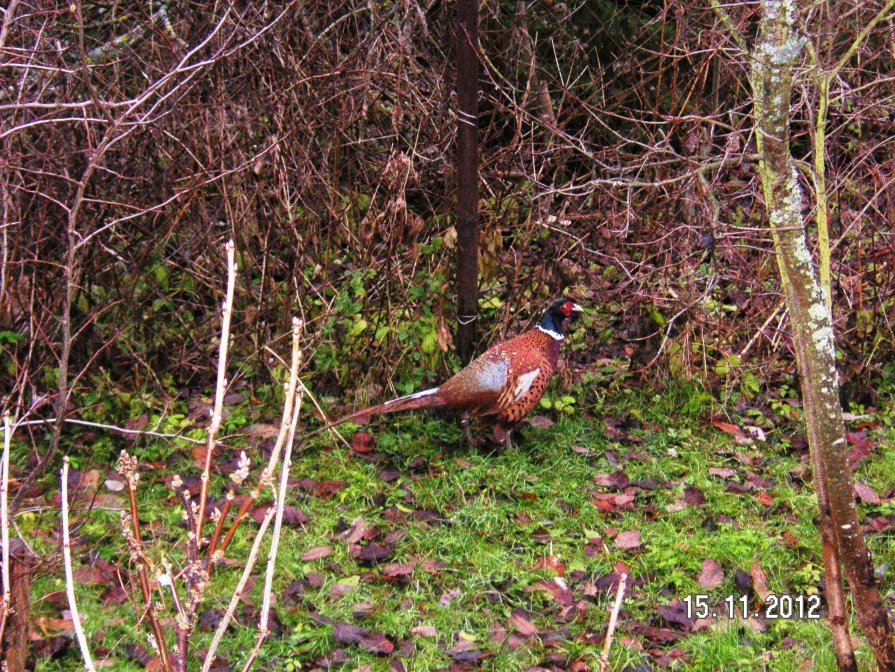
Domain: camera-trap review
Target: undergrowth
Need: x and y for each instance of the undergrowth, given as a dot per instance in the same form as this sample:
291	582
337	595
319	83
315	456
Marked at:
475	545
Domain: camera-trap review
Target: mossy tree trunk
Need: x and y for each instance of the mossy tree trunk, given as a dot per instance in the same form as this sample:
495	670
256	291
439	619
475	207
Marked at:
812	329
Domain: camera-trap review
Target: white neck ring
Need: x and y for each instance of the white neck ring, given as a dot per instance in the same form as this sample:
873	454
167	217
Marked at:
552	334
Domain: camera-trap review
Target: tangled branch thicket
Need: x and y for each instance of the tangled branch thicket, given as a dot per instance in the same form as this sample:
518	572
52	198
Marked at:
617	156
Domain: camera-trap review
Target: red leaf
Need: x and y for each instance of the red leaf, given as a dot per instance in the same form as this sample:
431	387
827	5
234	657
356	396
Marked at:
519	620
449	596
424	631
658	635
362	442
262	431
552	563
711	575
861	449
558	589
607	501
90	576
693	496
675	613
432	566
765	498
617	480
357	531
377	643
345	633
628	540
866	494
759	580
758	481
293	516
370	552
541	422
728	428
790	539
398	569
316	553
327	489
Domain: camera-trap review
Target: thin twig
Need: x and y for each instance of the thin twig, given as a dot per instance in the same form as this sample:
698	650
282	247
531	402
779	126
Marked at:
69	575
237	593
216	413
859	40
761	329
613	619
219	524
669	328
4	522
314	401
266	477
278	523
127	467
113	428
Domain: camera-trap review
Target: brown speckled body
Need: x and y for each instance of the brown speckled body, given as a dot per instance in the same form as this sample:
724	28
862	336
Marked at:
490	385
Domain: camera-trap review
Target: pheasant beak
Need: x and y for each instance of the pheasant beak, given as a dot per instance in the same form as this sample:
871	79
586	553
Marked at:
576	308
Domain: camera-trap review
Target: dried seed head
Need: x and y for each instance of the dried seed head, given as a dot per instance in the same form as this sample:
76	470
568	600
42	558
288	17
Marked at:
127	467
242	469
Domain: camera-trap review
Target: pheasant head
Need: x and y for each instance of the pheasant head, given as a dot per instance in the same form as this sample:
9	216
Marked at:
554	320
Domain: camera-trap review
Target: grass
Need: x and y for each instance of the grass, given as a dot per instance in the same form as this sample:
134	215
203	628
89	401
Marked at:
485	531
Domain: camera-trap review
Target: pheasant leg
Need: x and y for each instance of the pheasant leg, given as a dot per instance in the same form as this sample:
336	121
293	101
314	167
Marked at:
465	422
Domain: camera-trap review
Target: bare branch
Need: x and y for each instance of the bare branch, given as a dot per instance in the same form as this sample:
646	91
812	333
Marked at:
4	522
69	574
216	413
281	507
613	620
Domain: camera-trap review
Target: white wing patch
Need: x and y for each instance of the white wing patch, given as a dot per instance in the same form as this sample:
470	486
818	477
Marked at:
492	375
523	385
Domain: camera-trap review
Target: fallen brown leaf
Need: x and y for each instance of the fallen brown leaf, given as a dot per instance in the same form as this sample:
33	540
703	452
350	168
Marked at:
520	621
866	494
628	540
316	553
759	580
711	574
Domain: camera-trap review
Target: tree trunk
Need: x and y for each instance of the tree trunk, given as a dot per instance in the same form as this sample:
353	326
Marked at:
15	641
467	176
812	326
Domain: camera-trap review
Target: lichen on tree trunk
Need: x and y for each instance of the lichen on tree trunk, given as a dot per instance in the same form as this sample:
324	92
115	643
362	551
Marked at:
812	326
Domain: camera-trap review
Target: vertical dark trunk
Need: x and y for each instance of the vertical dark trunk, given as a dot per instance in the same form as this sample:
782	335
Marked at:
467	176
14	644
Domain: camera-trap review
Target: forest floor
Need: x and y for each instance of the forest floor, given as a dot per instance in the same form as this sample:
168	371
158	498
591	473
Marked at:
413	551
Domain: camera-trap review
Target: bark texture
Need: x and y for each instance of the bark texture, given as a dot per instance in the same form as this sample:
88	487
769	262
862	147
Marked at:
812	332
467	176
15	645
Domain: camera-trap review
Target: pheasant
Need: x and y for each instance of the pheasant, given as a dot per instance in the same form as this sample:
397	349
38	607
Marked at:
506	382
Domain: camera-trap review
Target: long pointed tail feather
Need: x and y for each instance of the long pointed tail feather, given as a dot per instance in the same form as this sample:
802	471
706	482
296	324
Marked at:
409	402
